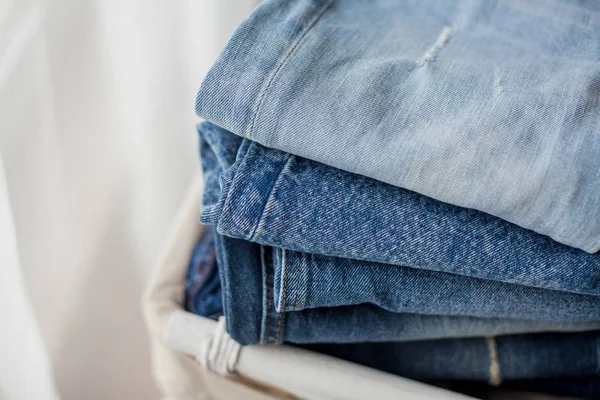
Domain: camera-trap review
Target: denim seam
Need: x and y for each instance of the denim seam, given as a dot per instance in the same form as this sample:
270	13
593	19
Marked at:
298	283
303	273
269	293
285	281
279	315
279	285
284	60
260	226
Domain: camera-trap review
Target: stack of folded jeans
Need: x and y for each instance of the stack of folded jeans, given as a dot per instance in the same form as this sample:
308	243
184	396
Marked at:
409	185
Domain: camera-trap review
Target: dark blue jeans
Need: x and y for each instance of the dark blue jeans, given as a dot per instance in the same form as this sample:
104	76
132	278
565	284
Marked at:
246	280
343	239
203	292
493	360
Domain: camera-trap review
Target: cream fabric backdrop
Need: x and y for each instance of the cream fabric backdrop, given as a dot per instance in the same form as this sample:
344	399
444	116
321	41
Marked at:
98	145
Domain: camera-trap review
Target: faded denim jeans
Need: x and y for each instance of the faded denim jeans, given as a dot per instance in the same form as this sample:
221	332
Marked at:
485	104
335	235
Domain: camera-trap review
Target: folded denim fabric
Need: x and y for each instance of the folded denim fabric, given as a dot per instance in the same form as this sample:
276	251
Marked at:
490	105
491	359
277	199
304	280
203	294
246	273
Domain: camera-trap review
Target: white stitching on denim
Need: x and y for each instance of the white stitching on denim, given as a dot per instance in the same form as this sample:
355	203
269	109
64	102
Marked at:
495	373
282	287
283	62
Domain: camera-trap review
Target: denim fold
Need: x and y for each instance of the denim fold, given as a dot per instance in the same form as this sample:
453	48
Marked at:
246	273
252	319
305	280
277	199
483	104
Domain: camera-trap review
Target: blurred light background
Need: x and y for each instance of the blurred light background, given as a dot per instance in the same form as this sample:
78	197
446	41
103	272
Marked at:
97	144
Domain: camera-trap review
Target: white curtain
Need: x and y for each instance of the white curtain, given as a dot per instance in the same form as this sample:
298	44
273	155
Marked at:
98	144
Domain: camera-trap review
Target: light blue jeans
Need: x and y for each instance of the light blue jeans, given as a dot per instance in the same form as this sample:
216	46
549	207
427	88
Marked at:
486	104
